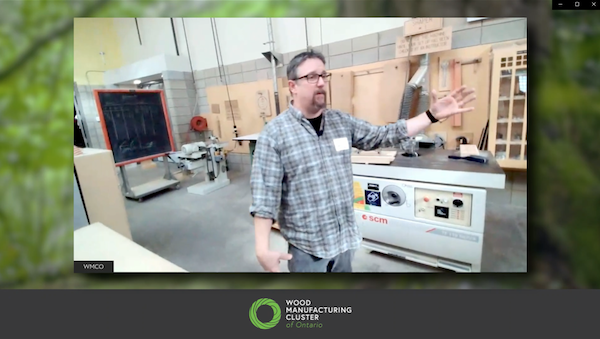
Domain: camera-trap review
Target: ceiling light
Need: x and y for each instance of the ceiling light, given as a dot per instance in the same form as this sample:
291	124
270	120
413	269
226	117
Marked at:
137	82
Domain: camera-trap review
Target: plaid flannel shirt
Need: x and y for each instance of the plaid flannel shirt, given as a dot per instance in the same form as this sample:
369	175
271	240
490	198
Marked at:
300	179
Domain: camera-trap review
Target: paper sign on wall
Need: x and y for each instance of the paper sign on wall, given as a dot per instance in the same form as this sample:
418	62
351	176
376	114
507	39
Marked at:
233	110
425	43
422	25
263	103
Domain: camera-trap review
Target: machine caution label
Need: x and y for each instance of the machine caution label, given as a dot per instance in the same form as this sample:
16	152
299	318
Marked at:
456	235
359	198
373	198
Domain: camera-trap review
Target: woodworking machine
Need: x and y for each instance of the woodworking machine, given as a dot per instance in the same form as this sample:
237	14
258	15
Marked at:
428	209
208	158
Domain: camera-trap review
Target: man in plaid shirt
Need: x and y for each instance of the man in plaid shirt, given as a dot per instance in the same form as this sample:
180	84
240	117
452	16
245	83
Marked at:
302	171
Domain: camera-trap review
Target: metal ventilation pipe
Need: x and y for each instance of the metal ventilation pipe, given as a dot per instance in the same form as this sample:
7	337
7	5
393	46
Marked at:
273	63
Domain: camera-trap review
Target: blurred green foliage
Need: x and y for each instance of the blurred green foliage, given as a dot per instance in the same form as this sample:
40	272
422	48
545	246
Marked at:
567	158
36	63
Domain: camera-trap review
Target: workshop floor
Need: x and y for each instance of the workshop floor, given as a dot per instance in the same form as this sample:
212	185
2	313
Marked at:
215	233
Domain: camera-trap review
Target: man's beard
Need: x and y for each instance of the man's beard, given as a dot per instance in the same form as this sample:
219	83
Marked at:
320	105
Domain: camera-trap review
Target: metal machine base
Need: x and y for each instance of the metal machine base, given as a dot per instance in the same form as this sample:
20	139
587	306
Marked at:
205	188
419	258
141	191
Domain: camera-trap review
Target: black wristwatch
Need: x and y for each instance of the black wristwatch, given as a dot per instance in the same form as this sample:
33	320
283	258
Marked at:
431	117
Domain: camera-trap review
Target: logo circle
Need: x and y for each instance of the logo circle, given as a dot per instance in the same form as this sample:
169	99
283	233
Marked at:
364	217
254	317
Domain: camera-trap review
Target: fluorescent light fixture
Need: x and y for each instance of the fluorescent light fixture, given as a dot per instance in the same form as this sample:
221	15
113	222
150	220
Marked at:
137	82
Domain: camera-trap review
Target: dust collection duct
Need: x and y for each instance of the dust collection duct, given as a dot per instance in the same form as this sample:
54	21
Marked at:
416	100
276	59
416	92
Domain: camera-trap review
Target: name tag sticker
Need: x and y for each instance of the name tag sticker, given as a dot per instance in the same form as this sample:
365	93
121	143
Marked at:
341	144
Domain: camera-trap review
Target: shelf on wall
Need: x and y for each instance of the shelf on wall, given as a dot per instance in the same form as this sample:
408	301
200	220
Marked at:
508	107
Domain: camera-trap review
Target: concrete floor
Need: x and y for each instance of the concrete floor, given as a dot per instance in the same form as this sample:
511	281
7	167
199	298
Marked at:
215	233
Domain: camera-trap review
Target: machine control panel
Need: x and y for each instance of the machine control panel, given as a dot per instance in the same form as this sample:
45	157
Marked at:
444	206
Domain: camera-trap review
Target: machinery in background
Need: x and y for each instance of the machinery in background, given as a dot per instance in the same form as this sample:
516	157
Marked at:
208	158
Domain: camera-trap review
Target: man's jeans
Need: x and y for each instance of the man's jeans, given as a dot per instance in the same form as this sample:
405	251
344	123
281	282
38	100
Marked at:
304	262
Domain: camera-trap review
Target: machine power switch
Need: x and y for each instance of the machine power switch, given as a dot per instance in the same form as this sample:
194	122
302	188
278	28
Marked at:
457	203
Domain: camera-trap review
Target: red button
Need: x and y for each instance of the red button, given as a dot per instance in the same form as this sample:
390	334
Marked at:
426	199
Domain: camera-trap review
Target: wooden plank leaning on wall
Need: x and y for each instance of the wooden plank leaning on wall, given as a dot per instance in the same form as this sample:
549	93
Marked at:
373	93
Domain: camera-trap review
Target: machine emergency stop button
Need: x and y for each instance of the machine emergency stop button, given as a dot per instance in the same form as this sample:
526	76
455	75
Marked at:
426	199
457	203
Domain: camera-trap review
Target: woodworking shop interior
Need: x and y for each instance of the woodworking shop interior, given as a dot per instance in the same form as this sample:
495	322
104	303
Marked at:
168	110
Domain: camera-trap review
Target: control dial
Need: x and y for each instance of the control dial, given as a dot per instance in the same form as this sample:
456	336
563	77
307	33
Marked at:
457	203
394	196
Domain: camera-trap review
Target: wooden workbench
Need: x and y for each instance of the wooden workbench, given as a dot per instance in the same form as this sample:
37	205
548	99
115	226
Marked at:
97	242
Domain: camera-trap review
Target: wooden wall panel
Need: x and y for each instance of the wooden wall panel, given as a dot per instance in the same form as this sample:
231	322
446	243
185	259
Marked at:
342	91
374	96
250	121
391	89
475	75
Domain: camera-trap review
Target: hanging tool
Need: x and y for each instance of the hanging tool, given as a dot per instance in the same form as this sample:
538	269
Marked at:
456	84
484	136
474	158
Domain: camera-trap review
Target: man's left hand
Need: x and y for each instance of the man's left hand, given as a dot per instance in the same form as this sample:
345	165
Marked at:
453	103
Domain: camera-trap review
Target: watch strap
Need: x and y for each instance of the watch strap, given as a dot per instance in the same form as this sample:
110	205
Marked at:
431	117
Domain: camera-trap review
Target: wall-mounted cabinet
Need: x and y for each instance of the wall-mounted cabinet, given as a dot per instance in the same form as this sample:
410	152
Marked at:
508	107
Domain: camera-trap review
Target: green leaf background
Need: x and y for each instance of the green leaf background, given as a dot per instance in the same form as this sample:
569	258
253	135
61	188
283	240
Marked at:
36	88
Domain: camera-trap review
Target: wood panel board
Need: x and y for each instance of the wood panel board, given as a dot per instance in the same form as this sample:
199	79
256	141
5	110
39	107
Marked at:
366	104
250	122
422	25
342	91
391	89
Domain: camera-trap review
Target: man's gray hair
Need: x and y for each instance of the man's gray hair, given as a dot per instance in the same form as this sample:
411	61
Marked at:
292	68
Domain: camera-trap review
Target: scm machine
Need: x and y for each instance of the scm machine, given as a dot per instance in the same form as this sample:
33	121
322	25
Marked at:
428	209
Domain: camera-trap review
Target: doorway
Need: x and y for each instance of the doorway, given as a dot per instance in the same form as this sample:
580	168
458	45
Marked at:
79	138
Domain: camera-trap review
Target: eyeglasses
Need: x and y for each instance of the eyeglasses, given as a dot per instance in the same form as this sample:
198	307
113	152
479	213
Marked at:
314	78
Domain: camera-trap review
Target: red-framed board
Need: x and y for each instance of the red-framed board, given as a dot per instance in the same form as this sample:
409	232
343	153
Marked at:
135	124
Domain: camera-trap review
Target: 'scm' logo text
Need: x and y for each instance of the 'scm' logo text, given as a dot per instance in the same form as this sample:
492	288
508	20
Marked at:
375	219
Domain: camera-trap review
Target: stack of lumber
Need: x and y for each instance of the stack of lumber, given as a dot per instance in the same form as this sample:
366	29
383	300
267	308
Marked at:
378	157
